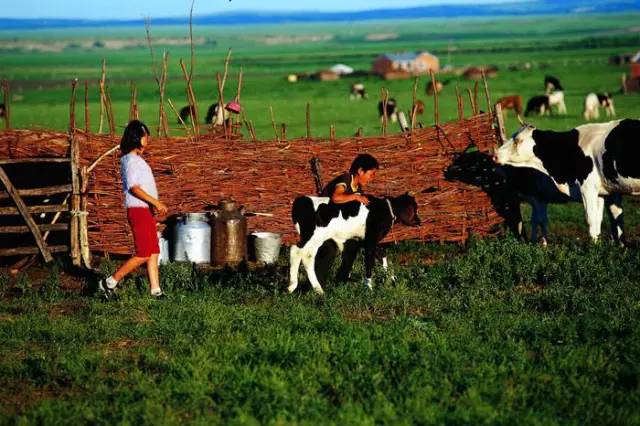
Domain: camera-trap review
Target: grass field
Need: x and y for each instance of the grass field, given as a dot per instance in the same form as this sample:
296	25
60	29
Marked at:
496	331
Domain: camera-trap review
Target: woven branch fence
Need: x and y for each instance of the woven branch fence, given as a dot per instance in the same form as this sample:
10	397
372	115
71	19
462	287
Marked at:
266	176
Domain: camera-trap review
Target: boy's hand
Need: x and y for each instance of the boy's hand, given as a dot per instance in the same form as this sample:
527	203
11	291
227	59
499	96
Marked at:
364	200
161	208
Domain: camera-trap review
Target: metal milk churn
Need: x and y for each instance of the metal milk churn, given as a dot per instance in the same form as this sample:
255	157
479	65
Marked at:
229	240
192	239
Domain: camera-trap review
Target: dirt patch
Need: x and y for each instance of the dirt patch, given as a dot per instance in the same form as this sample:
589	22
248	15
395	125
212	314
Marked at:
381	314
66	308
529	288
18	397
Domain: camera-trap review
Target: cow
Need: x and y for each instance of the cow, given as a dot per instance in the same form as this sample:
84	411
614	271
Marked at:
538	190
600	158
186	113
431	88
418	107
551	84
539	105
513	102
317	220
392	110
593	102
358	91
556	99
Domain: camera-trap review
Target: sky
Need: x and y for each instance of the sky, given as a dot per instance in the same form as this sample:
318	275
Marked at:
135	9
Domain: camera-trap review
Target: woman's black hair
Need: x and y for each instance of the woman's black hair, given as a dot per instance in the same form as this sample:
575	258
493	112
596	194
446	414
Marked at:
365	162
132	136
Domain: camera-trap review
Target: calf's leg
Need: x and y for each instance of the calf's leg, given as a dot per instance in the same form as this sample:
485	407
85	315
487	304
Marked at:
294	266
308	260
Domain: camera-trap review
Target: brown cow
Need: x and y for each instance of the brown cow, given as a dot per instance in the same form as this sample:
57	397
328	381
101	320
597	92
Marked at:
430	88
513	102
419	107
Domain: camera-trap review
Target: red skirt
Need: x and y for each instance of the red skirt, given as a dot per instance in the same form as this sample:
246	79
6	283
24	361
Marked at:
145	234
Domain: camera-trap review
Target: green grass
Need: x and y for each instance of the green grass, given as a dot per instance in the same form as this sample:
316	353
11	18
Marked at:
497	331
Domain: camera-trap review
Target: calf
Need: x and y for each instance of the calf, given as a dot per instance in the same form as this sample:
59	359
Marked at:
600	158
593	102
358	91
317	221
539	105
392	110
556	99
551	84
513	102
431	88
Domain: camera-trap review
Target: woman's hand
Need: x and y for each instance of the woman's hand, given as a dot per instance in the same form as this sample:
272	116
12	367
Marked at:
363	199
160	207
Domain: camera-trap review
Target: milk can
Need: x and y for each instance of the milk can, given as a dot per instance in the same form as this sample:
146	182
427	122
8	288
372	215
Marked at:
229	242
192	239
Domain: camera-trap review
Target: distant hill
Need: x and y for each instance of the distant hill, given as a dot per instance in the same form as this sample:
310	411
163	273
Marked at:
523	8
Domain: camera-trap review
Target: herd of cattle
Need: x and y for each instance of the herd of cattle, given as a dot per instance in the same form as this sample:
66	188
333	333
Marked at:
593	163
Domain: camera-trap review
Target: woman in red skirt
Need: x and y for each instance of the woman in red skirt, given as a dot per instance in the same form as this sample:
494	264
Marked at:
141	201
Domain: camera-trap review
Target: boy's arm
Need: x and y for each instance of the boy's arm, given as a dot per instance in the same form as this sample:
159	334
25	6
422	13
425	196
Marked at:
142	194
339	196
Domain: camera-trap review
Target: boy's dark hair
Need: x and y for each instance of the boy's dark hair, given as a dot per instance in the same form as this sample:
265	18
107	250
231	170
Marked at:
132	136
365	162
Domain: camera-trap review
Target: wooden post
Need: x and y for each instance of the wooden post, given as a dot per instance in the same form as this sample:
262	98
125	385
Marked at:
317	174
7	104
273	123
385	99
109	110
308	118
358	132
332	133
180	120
87	124
283	131
474	108
460	104
414	107
24	212
75	200
193	106
436	112
500	121
72	106
133	104
164	123
486	92
85	252
475	97
103	97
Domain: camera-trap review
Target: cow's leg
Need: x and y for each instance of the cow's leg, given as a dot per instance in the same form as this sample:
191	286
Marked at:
593	207
385	265
308	260
535	220
562	108
369	261
349	254
295	256
544	222
613	205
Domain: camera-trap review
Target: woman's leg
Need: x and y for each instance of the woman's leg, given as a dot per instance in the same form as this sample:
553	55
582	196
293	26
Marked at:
153	270
129	266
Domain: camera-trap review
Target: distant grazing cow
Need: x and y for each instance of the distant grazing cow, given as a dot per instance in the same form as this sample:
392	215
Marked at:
317	221
358	91
538	105
556	99
593	102
601	158
185	114
551	83
431	89
392	110
513	102
537	189
419	107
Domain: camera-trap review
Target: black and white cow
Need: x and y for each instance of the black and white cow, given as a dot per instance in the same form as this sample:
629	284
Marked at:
539	105
600	158
358	91
392	110
551	84
317	221
594	101
538	190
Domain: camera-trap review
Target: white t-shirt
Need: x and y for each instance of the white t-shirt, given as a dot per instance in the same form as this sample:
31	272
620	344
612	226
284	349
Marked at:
136	172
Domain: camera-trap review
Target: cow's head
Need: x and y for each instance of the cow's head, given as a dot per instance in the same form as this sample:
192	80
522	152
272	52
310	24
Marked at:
519	149
405	209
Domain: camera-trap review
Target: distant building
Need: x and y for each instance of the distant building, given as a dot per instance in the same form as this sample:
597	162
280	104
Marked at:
407	64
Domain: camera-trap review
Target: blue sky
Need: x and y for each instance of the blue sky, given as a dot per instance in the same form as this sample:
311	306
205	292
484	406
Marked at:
133	9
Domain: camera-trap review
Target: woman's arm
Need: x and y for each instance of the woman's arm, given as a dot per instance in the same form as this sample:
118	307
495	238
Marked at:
339	196
141	193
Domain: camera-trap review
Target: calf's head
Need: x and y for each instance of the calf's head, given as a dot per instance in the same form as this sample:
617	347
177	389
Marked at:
405	209
518	149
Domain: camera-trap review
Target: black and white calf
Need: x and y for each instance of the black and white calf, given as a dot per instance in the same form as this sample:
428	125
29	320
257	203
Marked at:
539	105
392	110
317	221
601	159
551	84
358	91
593	102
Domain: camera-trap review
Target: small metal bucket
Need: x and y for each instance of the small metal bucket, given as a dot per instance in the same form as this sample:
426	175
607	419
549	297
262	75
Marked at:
267	246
